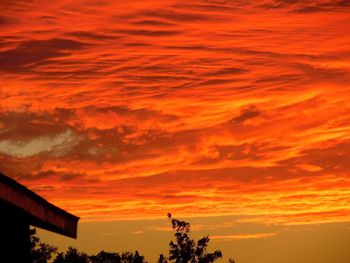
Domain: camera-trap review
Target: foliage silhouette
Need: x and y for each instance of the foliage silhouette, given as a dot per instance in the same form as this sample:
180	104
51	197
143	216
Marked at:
105	257
72	255
125	257
182	250
185	249
42	253
162	259
39	251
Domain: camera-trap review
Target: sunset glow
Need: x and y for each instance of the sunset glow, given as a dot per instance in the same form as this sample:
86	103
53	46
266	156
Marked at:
128	110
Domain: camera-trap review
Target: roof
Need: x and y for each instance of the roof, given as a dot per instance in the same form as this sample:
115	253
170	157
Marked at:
40	213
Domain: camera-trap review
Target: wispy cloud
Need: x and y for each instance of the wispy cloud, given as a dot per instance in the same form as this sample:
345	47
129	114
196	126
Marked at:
57	145
244	236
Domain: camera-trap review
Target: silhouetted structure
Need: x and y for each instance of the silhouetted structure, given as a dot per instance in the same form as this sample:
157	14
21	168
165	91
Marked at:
20	208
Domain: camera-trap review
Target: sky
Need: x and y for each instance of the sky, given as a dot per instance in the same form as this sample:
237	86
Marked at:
233	115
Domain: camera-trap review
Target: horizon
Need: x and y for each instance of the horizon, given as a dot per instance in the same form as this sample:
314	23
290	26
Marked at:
231	115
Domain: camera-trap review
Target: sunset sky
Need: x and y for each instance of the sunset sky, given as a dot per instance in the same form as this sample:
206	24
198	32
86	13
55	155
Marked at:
231	114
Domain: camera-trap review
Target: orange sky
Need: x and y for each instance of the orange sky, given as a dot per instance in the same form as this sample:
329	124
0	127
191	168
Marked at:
119	110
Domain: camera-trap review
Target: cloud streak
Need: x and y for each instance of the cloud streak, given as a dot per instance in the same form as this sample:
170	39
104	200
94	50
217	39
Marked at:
244	236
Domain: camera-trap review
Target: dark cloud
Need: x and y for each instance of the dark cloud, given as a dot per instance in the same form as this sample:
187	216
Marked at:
4	20
21	126
150	22
62	176
280	79
150	33
309	6
211	82
19	168
314	73
124	137
92	35
220	7
246	114
333	159
139	114
173	15
34	51
229	71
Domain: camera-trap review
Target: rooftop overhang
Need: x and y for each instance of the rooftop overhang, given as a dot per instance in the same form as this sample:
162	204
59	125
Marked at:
40	213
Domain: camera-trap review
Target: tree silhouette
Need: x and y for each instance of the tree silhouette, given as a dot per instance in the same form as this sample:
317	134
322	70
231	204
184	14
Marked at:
182	250
125	257
72	255
185	249
162	259
106	257
39	251
128	257
59	258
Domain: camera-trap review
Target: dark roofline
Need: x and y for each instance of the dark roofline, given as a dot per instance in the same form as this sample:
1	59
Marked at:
50	217
25	190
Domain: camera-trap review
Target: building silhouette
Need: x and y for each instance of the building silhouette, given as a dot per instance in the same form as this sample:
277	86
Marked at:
20	208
